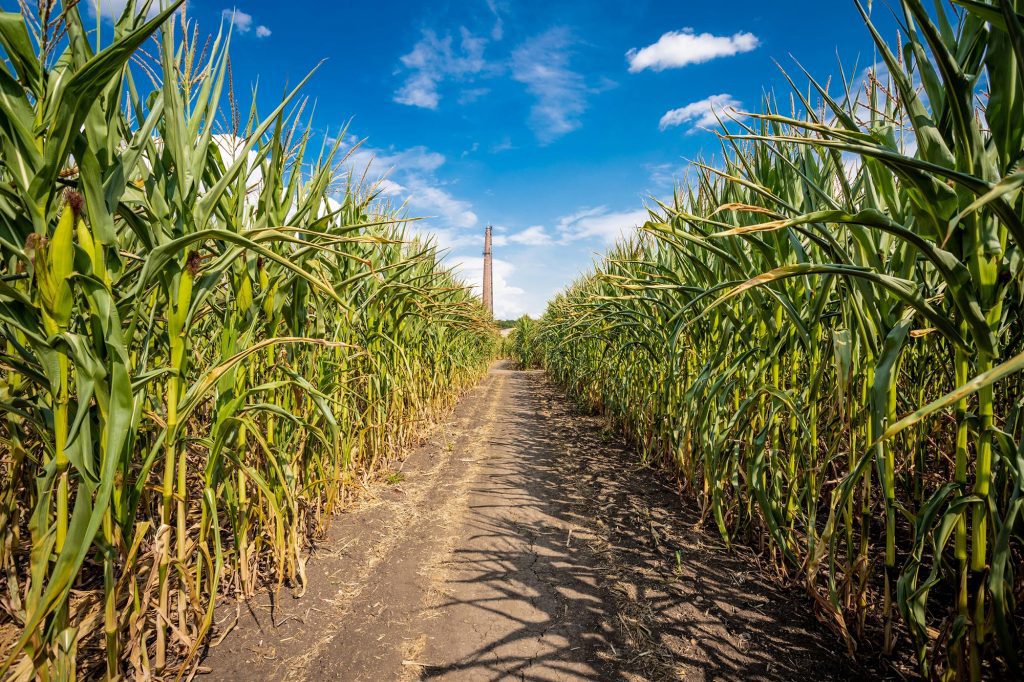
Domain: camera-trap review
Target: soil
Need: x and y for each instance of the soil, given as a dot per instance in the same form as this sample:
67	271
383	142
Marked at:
523	541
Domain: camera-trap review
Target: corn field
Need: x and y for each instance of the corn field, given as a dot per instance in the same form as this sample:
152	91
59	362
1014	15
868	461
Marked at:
521	344
203	352
821	336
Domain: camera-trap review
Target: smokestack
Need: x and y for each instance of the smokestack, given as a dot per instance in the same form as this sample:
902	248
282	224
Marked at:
488	280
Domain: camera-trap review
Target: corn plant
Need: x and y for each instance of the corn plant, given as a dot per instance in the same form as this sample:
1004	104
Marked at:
820	335
208	340
521	343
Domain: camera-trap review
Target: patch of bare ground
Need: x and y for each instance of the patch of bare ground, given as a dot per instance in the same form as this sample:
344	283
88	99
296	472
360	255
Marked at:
524	543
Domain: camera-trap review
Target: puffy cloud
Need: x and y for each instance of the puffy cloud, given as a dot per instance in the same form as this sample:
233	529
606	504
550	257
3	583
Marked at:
542	65
680	48
410	176
420	90
390	188
242	22
702	114
531	236
239	19
432	61
445	239
600	223
535	235
416	159
440	203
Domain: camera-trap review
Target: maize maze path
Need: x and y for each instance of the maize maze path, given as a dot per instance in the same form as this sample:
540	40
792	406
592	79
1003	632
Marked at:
524	542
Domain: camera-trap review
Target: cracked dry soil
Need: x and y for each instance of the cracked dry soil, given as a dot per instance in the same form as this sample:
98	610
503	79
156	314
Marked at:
524	542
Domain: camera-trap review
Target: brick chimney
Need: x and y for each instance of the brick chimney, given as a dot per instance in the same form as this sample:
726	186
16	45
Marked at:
488	277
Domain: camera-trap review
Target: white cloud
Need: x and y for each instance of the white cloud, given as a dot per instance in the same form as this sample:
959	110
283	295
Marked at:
600	223
432	61
542	64
439	203
420	90
410	176
508	299
416	159
445	239
239	19
679	48
390	188
531	236
702	114
665	176
498	30
243	23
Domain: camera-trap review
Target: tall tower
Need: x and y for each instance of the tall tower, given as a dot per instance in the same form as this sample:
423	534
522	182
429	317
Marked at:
488	278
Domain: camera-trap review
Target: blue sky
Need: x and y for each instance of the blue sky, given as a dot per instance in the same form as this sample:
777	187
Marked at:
553	120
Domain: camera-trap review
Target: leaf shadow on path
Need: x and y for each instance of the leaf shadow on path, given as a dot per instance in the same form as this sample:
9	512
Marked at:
576	563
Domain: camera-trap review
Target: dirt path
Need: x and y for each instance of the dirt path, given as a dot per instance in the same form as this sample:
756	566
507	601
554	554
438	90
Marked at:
525	543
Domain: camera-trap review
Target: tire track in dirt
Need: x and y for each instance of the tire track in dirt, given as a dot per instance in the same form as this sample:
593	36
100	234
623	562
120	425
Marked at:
380	626
517	601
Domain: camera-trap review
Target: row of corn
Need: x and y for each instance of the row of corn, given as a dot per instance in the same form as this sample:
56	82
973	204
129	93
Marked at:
822	334
206	343
521	344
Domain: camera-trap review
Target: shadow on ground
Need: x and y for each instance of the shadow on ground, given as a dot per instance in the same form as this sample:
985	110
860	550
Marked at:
525	542
575	563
